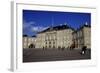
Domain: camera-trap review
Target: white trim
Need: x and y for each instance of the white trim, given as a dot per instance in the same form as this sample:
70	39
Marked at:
13	37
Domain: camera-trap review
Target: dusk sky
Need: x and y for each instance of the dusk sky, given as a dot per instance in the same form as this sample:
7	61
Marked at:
35	21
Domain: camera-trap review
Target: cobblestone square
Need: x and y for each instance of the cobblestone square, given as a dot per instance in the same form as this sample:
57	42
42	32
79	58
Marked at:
33	55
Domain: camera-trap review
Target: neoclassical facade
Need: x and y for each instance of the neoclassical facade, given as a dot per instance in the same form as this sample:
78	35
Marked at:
61	36
29	41
82	37
55	37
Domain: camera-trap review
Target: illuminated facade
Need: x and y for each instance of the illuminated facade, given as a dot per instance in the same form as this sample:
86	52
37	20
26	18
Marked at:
29	42
82	37
60	36
55	37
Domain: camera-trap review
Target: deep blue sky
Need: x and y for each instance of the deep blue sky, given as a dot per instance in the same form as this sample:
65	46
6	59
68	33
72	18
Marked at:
34	21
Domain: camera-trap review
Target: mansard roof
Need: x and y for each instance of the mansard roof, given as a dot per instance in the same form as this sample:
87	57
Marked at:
89	26
33	36
25	35
29	36
59	27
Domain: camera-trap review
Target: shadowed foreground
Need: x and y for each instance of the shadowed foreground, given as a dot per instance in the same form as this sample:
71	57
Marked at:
33	55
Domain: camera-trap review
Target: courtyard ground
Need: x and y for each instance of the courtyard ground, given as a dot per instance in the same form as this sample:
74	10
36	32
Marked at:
37	55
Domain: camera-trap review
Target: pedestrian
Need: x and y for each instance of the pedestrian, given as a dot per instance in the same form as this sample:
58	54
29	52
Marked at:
83	51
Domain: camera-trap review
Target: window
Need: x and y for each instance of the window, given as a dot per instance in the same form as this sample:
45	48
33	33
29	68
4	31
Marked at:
45	46
46	43
49	42
53	46
49	46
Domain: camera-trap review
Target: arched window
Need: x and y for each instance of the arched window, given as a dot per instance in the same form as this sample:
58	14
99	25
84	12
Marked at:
31	46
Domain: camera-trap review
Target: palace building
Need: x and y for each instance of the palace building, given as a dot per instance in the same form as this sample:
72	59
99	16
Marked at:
61	36
29	42
55	37
82	37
